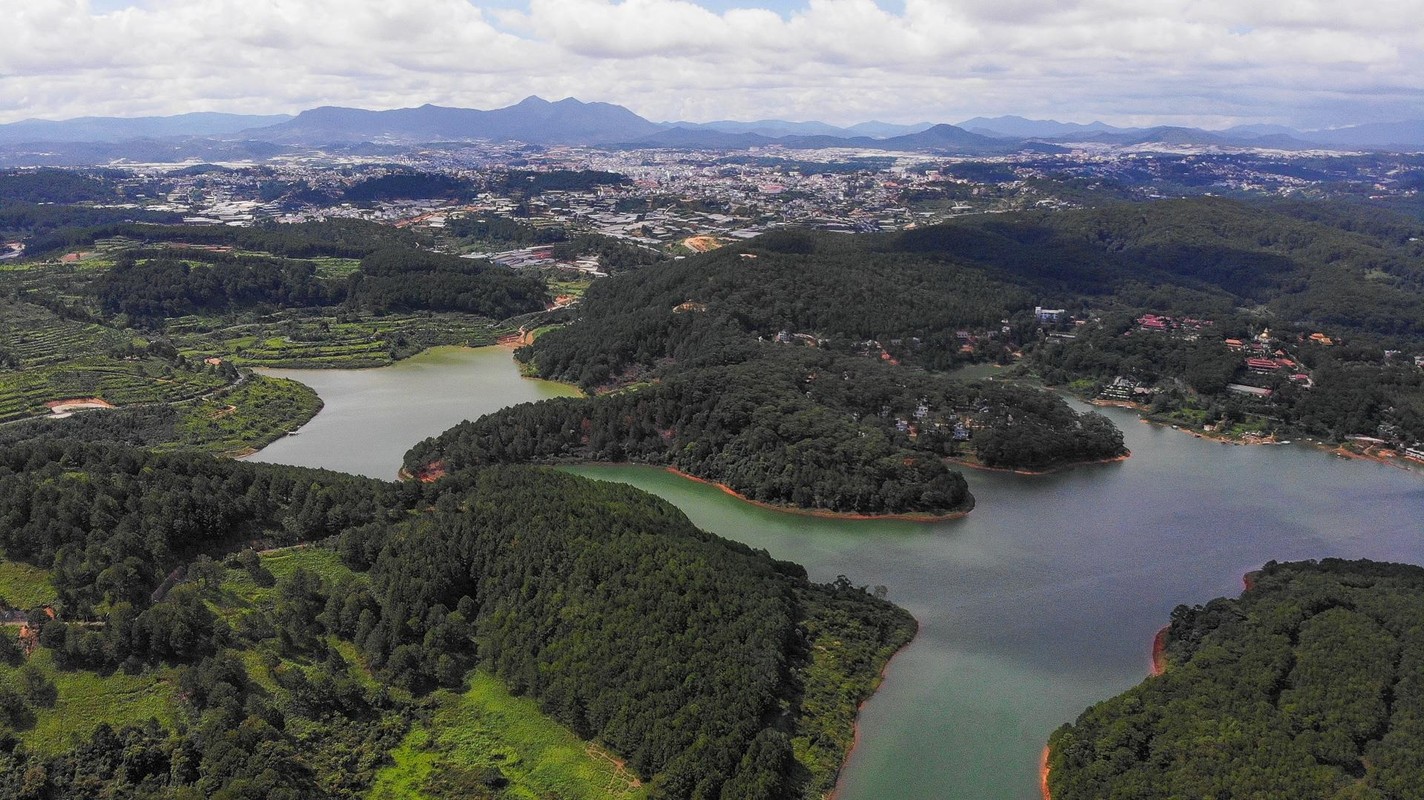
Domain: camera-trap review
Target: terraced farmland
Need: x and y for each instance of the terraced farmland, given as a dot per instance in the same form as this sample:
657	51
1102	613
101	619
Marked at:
301	339
23	393
39	337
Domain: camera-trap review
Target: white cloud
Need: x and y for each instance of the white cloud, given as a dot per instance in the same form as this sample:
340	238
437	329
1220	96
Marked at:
1182	61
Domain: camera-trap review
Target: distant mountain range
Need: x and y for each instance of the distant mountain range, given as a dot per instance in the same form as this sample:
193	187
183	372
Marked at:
532	120
937	138
569	121
775	128
1407	135
123	129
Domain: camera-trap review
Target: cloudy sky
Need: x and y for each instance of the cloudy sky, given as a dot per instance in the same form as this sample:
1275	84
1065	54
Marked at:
1214	63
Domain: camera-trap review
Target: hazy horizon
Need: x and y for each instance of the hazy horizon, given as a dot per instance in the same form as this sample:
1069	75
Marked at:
1201	63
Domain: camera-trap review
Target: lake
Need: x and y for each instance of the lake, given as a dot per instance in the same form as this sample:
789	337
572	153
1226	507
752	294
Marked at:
1042	601
372	416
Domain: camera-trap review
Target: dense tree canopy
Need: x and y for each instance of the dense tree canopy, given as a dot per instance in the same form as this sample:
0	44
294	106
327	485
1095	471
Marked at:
568	180
151	286
820	426
688	655
410	185
52	186
1308	686
168	286
797	427
401	279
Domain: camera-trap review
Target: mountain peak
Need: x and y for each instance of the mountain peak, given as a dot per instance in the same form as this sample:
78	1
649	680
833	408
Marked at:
533	119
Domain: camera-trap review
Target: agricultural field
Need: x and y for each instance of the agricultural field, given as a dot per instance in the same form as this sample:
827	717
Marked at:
67	283
23	393
57	343
333	336
35	336
307	339
488	743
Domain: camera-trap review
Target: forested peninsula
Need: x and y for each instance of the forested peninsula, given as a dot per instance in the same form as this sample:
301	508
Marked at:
1307	686
759	369
713	670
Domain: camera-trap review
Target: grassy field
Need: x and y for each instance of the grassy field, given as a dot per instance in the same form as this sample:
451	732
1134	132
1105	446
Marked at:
485	733
562	283
24	587
325	563
327	267
89	698
240	591
478	743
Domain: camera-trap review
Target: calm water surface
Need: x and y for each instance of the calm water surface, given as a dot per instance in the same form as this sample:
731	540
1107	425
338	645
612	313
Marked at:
1042	601
372	416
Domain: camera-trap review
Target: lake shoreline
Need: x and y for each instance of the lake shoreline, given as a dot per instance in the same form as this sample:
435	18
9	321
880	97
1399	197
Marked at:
913	516
1392	458
952	577
1043	773
1053	470
1157	667
437	469
856	727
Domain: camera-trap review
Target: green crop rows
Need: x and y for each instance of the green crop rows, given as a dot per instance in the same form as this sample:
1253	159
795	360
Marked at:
23	393
303	339
38	336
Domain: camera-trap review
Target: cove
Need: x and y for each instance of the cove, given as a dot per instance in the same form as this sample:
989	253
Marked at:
372	416
1041	602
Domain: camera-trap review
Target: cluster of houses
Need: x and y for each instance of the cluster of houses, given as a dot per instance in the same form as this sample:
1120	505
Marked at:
960	427
1126	390
1261	358
1187	327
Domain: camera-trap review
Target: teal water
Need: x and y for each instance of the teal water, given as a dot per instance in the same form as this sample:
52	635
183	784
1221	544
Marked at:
1042	601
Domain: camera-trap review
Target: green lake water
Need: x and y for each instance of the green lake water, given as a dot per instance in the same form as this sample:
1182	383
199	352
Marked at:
1042	601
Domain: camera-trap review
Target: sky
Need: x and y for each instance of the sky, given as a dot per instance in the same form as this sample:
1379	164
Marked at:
1208	63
